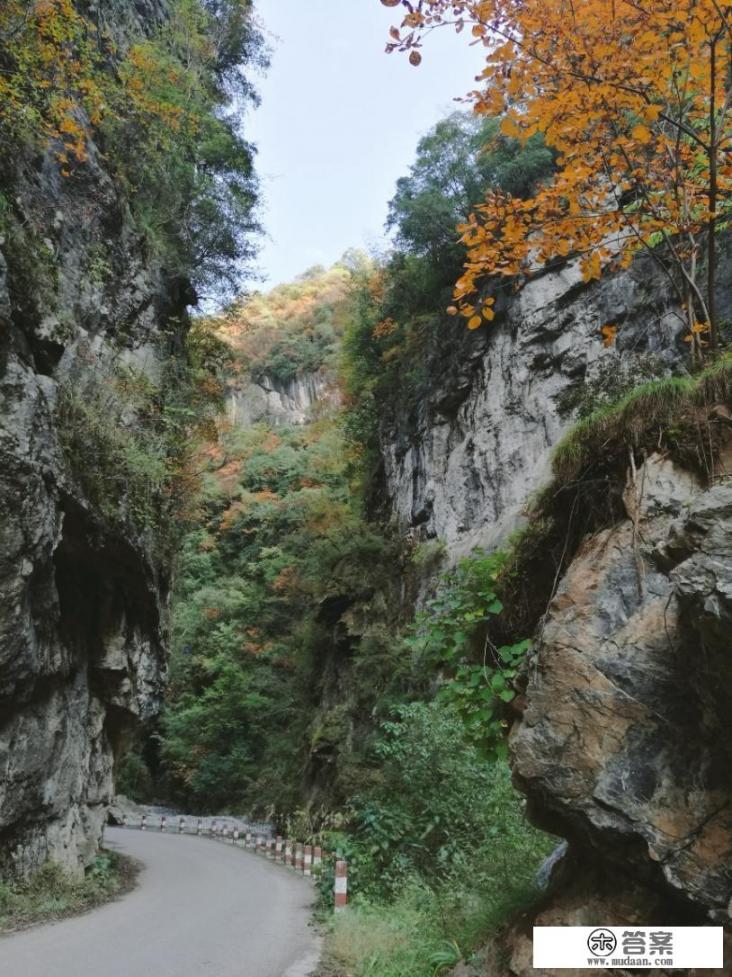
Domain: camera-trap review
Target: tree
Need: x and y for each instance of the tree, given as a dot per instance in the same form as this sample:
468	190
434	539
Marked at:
456	161
634	96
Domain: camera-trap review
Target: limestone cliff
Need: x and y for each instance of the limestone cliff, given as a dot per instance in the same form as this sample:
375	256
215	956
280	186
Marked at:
461	464
82	592
623	744
275	402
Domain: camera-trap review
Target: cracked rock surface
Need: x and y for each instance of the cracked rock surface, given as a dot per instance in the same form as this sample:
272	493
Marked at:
625	745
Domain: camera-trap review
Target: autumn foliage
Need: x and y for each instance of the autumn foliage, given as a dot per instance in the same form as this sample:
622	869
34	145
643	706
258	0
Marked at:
634	95
49	74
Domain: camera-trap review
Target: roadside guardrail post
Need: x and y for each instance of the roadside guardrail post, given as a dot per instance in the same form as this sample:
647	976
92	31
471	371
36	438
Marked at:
278	848
307	860
340	888
143	823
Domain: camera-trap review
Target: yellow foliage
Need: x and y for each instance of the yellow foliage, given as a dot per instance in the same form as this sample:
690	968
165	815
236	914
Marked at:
635	98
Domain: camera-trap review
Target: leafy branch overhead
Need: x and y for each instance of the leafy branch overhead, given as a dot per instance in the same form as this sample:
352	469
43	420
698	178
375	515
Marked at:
635	99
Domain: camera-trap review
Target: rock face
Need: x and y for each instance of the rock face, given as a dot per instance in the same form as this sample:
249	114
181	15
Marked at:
624	747
82	599
625	744
462	465
271	401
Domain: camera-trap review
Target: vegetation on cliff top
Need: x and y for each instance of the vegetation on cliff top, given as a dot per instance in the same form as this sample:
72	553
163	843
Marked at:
149	107
295	328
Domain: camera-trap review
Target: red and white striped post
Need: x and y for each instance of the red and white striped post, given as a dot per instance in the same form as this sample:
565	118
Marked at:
143	823
248	841
163	823
298	857
307	862
317	860
181	826
235	837
124	820
340	888
288	852
199	827
278	848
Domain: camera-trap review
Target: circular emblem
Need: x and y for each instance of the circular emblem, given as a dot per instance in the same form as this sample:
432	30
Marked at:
601	942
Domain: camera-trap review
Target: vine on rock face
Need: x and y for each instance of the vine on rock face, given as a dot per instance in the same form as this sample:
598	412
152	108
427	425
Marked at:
635	99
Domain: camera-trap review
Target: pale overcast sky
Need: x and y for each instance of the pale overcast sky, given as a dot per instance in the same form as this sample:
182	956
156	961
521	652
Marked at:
339	123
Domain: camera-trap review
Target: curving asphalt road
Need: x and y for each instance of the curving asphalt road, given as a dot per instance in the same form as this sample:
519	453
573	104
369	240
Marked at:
201	909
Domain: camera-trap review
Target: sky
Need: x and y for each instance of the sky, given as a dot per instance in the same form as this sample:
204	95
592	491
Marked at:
339	124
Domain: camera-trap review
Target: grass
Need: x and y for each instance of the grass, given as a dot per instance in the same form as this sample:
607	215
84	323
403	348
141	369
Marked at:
421	933
648	410
53	893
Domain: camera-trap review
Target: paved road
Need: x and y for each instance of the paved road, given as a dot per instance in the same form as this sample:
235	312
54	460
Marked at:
201	909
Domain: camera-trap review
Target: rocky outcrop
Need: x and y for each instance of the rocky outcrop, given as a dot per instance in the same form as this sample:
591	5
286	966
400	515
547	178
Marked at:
82	596
460	464
625	747
268	400
625	744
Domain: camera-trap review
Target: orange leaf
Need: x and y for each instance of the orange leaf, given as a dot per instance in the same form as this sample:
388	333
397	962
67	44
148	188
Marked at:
642	134
509	128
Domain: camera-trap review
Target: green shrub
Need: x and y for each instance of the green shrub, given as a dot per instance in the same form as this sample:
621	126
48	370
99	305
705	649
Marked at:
133	777
451	635
421	932
436	811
